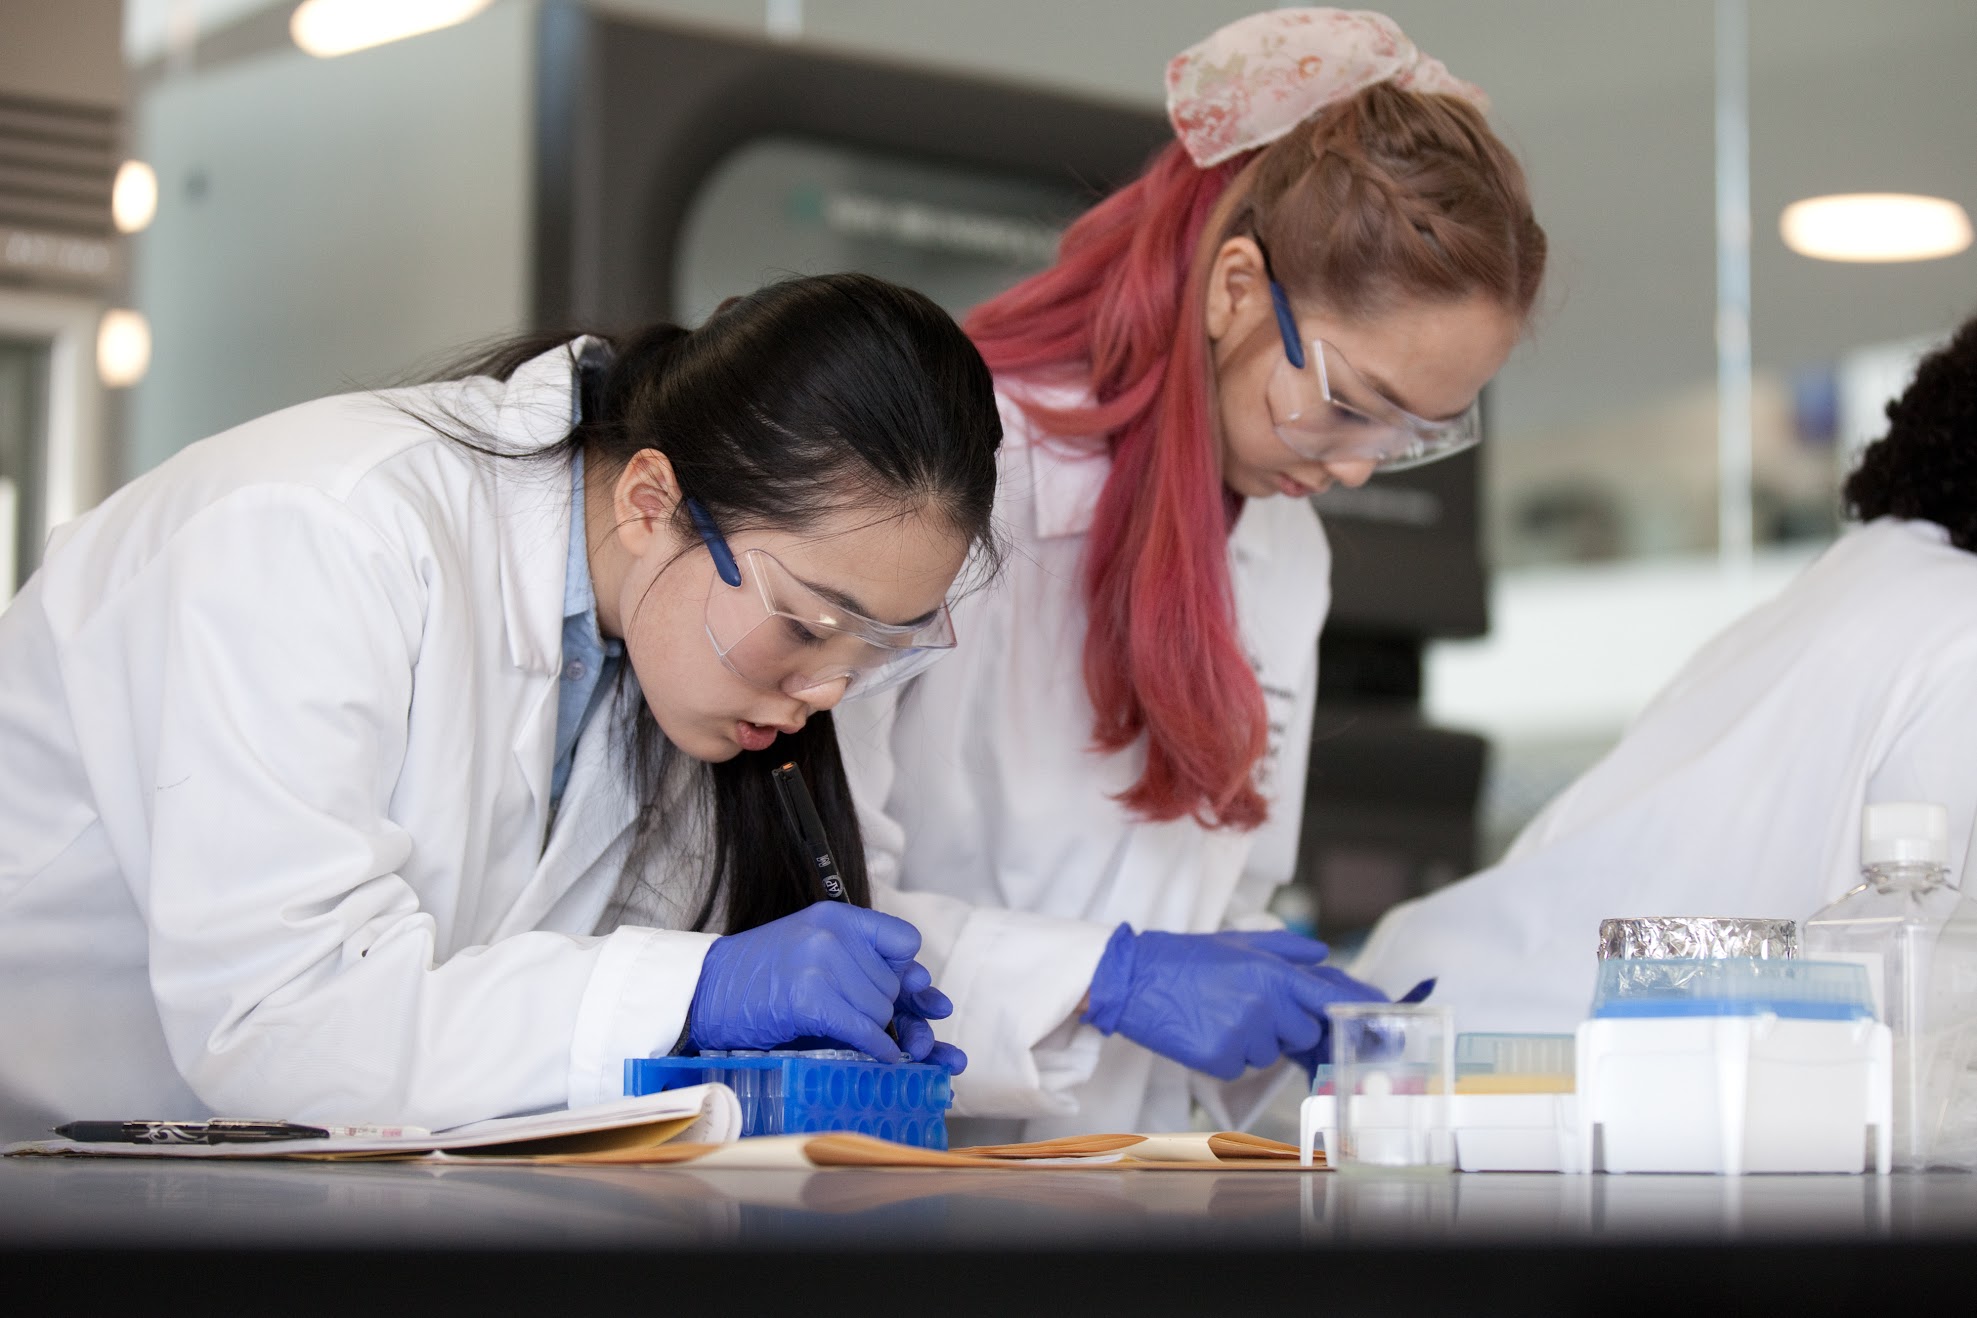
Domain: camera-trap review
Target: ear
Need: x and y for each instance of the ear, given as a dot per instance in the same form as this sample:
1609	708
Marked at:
643	501
1238	288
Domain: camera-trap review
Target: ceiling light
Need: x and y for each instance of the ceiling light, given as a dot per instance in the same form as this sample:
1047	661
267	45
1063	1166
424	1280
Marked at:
1875	226
134	196
123	348
326	28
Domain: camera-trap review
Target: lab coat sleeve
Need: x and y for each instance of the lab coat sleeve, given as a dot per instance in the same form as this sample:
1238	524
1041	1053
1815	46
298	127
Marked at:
1271	863
293	969
1026	1049
1932	756
1272	858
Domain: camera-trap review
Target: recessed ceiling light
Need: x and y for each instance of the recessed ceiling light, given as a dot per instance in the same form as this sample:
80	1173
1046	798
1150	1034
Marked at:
123	347
1875	226
326	28
134	196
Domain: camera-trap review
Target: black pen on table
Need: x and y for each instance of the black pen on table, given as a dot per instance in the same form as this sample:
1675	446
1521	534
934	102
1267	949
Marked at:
220	1130
808	826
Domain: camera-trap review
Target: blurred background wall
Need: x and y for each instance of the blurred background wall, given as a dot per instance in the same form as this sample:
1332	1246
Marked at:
329	223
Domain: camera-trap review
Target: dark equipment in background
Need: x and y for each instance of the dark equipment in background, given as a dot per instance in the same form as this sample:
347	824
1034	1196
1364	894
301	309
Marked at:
674	167
1391	803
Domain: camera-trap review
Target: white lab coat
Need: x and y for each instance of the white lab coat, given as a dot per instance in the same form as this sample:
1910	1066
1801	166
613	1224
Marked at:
1737	792
990	823
277	723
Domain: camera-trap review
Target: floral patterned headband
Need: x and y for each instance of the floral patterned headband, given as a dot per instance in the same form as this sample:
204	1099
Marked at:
1256	79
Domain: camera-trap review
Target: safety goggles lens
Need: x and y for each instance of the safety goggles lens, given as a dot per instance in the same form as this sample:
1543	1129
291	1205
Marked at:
775	632
1324	412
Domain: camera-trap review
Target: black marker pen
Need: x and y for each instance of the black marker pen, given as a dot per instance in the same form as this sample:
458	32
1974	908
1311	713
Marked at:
188	1132
808	827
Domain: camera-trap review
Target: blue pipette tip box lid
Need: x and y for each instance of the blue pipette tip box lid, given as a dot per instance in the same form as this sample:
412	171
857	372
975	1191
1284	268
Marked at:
811	1091
1733	986
1515	1054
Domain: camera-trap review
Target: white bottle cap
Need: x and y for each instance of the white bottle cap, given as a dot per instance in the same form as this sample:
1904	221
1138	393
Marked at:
1914	831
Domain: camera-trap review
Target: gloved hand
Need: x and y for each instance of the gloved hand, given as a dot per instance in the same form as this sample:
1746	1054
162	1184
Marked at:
915	1008
919	1002
1322	1054
832	970
1219	1002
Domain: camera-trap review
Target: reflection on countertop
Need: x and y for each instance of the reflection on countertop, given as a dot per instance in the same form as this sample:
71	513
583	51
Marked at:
180	1205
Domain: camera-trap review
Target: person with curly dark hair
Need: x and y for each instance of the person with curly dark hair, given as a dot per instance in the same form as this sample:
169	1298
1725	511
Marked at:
1738	792
1925	470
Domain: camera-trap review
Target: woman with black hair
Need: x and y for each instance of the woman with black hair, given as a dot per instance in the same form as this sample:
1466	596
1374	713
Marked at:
1738	792
405	757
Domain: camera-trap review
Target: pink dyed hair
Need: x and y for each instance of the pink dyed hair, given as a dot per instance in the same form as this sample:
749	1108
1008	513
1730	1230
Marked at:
1389	194
1161	653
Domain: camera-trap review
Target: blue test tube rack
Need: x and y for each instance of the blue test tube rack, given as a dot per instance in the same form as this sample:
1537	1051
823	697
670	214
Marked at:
811	1091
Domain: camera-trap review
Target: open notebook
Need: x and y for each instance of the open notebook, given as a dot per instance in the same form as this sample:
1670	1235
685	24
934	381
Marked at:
701	1126
700	1116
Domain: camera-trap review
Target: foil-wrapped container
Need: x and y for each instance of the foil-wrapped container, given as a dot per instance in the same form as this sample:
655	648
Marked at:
1694	937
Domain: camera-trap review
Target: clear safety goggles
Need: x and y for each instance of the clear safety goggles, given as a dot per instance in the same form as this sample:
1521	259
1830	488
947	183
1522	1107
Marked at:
1324	411
775	632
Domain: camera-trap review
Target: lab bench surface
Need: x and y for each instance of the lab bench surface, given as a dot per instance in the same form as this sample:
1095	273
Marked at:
382	1237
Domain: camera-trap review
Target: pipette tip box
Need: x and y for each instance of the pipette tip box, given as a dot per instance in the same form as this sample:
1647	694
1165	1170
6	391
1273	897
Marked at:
1723	1065
1734	1064
812	1091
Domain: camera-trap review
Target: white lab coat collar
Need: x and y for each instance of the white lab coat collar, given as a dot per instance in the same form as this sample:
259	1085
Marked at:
1068	475
1065	476
516	418
531	411
528	412
598	813
1066	483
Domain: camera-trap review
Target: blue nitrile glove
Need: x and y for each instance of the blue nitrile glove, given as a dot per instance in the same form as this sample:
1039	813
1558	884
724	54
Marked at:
1322	1054
1219	1002
831	969
919	1003
916	1038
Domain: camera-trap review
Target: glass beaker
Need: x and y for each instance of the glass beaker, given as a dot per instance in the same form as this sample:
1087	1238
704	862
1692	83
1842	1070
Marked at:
1393	1066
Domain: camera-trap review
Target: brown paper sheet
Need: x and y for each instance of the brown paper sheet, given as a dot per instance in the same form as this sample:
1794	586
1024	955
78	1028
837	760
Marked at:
1189	1151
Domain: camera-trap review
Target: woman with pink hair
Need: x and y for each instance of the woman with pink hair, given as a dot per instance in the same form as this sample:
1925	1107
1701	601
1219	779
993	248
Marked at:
1086	808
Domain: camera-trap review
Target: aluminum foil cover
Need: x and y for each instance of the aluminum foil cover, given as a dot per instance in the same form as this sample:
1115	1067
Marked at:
1691	937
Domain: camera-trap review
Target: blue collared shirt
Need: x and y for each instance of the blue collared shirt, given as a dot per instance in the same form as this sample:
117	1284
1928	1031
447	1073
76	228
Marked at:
588	658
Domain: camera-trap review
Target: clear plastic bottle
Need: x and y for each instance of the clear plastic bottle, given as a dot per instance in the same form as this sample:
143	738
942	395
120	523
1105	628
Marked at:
1948	1052
1890	924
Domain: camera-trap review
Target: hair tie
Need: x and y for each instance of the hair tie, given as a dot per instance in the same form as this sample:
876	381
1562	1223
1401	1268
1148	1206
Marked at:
1254	80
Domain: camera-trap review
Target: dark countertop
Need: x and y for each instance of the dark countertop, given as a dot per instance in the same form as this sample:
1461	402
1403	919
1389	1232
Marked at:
983	1240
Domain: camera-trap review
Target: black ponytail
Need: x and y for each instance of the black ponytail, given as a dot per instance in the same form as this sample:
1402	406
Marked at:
786	405
750	837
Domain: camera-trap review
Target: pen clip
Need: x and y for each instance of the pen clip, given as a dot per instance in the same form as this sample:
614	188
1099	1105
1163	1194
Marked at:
782	775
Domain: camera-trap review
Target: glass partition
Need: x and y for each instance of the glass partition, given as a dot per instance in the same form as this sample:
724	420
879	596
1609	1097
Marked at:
23	458
1601	472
